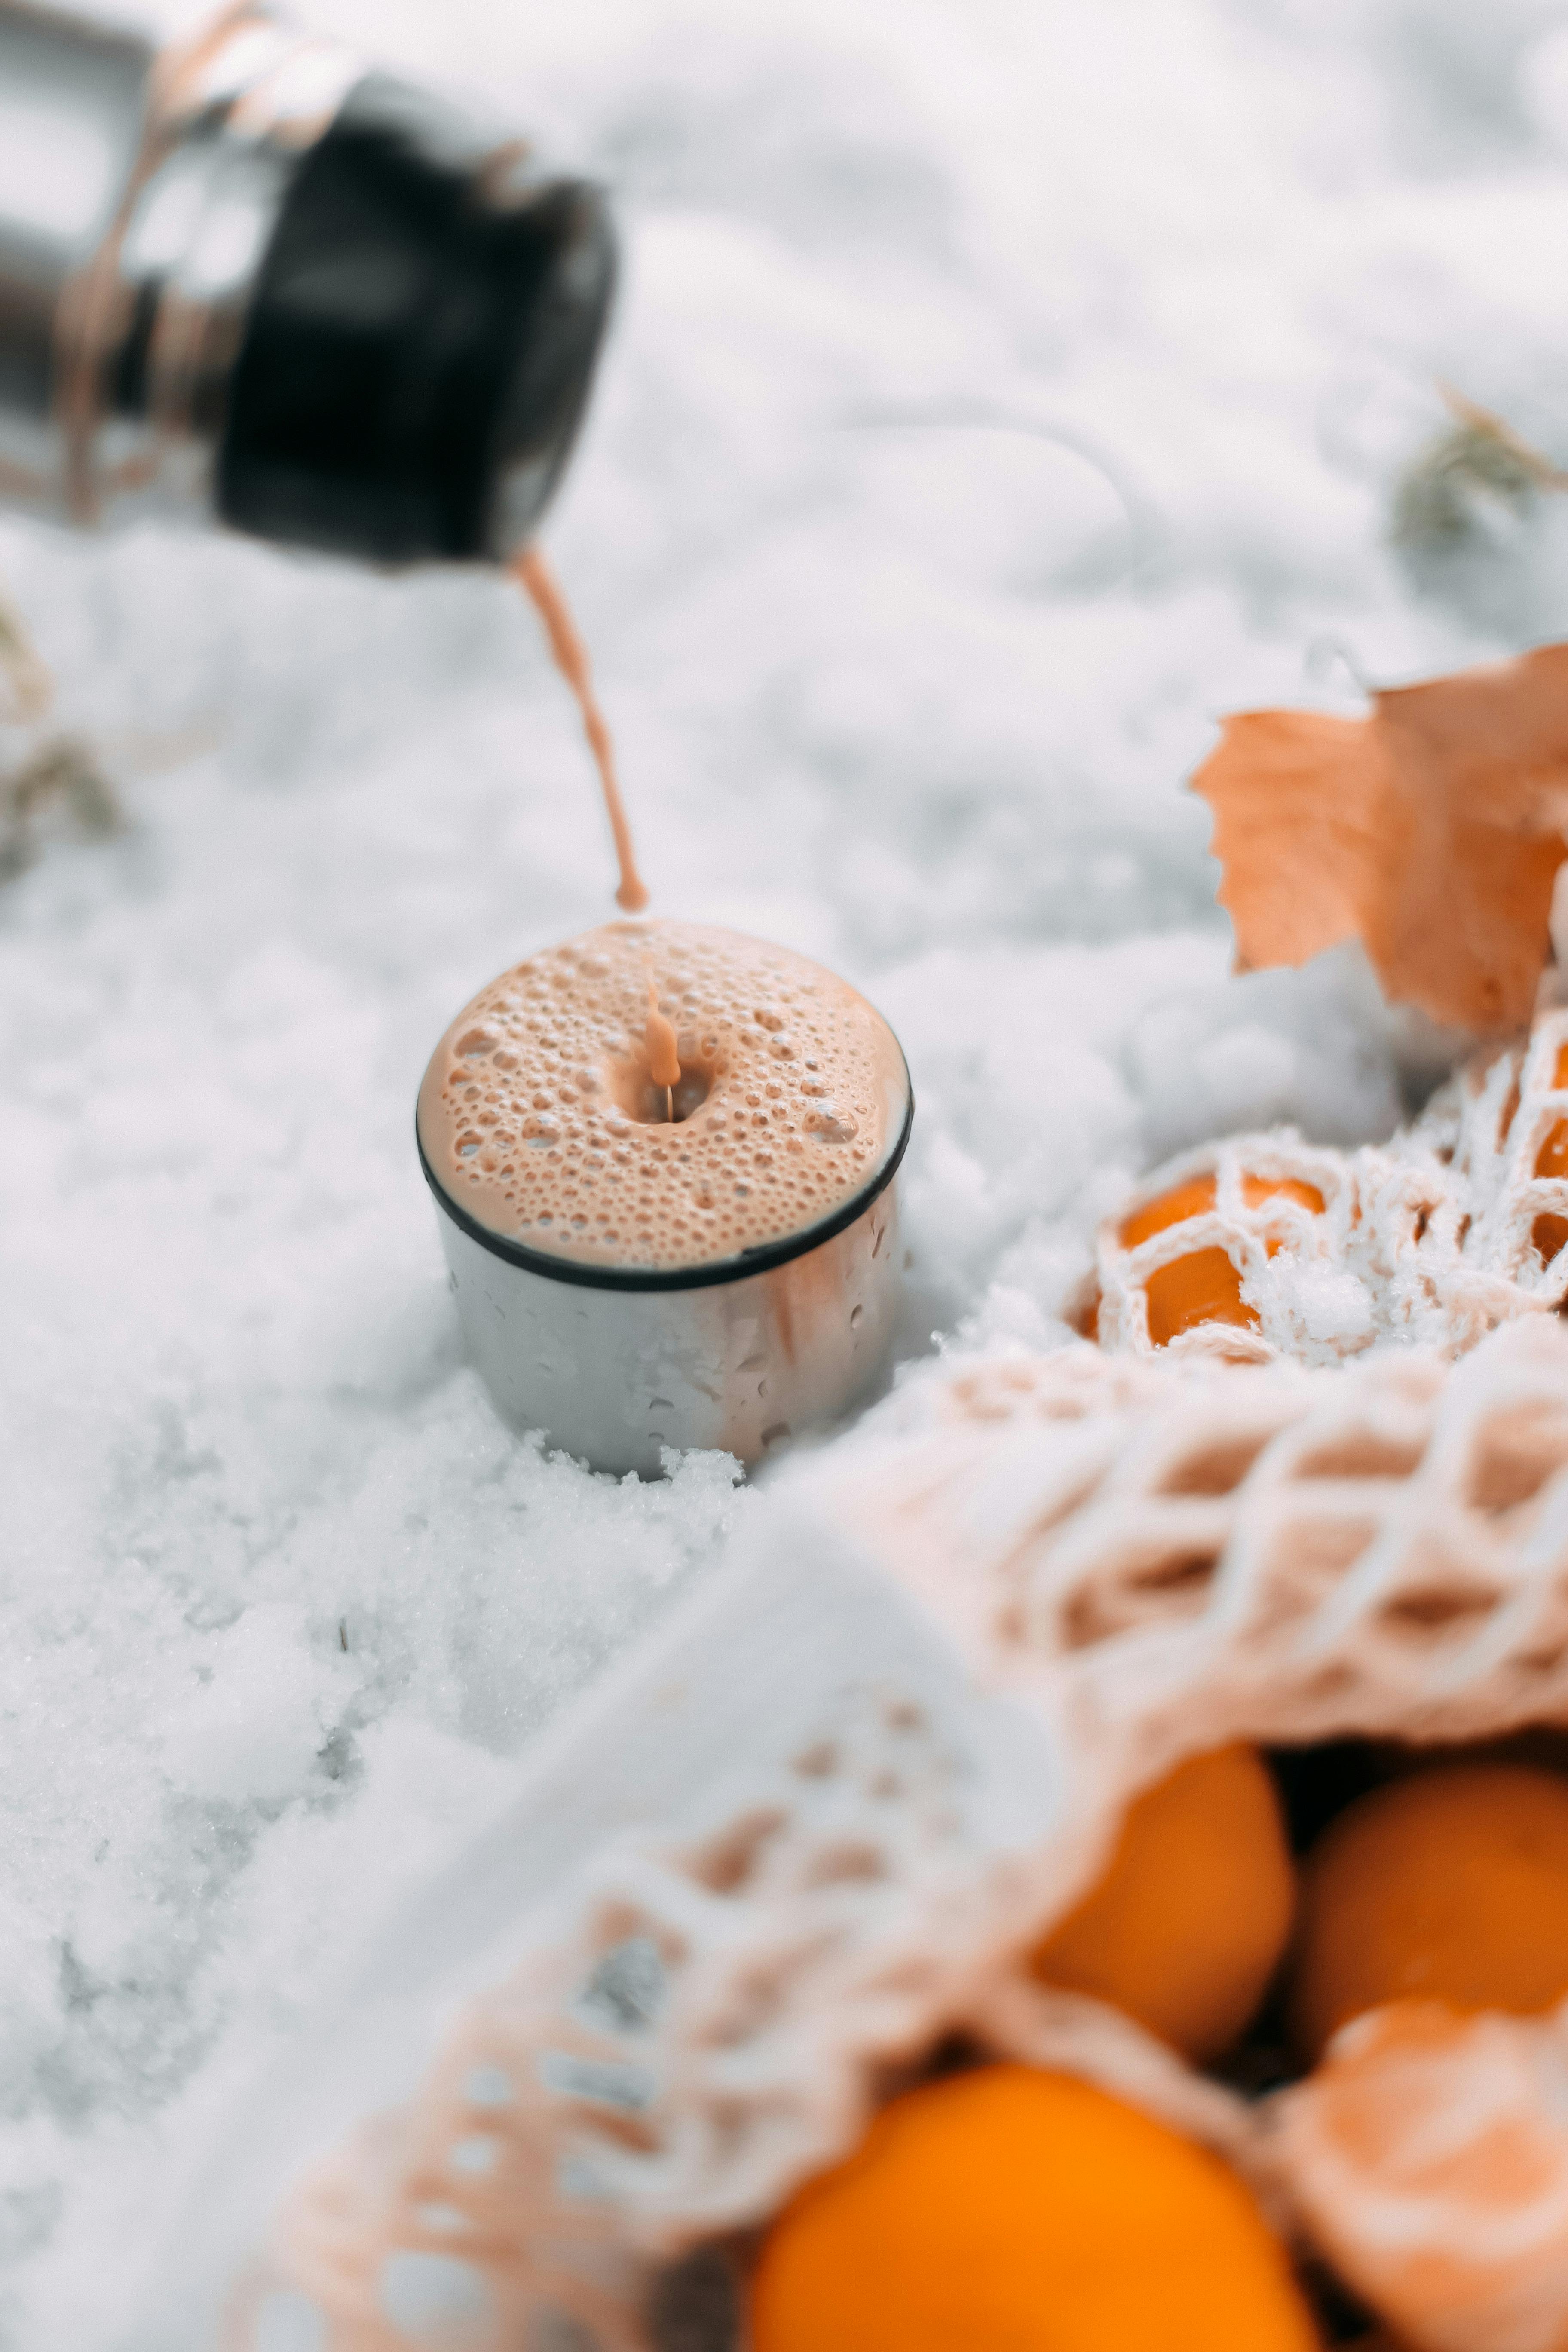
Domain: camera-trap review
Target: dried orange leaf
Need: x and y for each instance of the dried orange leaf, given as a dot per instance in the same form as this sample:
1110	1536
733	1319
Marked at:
1431	830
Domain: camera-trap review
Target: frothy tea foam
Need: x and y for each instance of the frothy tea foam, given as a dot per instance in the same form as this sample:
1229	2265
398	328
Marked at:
540	1114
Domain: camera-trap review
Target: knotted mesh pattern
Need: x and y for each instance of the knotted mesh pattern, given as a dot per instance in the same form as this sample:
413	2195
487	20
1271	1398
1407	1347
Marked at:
1115	1562
1263	1246
1506	1123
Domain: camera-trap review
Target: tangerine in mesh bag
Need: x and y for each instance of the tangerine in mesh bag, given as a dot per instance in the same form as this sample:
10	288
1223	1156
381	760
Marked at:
1204	1285
1184	1927
1550	1231
1011	2207
1451	1884
1221	1249
1429	2157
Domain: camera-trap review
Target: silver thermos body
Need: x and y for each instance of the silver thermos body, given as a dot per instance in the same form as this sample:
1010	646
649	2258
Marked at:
244	279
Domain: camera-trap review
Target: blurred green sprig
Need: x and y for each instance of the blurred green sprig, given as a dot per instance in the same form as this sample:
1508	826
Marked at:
1479	457
59	772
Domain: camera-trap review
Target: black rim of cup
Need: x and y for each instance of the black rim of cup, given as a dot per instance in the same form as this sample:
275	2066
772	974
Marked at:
760	1260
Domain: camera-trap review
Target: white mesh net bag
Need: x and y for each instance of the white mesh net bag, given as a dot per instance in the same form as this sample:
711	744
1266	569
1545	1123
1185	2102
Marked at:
1263	1246
809	1831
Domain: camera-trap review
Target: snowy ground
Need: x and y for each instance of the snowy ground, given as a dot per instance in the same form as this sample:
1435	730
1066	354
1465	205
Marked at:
998	394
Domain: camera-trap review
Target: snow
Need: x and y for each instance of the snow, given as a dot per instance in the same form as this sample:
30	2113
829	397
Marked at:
997	396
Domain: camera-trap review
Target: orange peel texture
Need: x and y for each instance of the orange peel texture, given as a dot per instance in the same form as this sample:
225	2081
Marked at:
1204	1286
1431	830
1451	1886
1189	1923
1428	2157
1010	2210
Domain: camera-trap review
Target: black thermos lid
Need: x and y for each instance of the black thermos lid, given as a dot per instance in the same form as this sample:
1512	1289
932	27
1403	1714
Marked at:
418	357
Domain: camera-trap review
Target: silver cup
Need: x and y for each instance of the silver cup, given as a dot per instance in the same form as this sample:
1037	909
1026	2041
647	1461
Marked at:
614	1364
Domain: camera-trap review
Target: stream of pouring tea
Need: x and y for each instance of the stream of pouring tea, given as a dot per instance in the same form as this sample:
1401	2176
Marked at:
663	1058
540	584
571	658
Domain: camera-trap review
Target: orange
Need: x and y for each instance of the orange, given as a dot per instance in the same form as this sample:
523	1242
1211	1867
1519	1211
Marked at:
1189	1922
1549	1232
1429	2157
1204	1286
1451	1886
1015	2210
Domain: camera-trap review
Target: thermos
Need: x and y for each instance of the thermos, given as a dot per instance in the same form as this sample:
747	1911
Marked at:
246	280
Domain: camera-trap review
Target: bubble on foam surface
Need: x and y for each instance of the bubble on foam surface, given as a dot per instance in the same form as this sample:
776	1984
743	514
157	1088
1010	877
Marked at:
543	1115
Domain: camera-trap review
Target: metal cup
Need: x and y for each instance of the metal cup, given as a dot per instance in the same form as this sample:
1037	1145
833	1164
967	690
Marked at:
614	1364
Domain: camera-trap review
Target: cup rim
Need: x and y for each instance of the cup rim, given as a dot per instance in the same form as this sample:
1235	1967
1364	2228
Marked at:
762	1259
